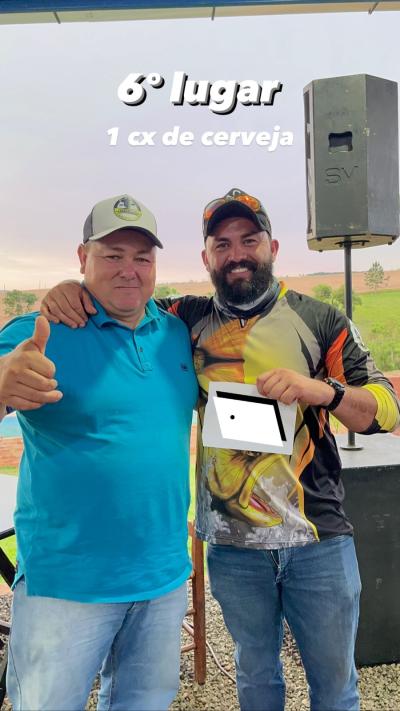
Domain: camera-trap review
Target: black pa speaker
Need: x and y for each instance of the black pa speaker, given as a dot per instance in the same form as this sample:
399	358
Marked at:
352	153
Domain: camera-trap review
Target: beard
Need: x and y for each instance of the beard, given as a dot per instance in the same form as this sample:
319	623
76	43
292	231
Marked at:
242	291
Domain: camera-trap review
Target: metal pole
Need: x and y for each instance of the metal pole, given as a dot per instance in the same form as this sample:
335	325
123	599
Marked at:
351	438
347	280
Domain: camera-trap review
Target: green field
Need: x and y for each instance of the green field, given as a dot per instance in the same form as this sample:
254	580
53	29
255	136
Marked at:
9	544
192	492
8	470
379	308
378	320
10	549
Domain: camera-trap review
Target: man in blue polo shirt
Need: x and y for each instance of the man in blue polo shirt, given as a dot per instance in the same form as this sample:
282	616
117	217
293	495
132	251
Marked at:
103	491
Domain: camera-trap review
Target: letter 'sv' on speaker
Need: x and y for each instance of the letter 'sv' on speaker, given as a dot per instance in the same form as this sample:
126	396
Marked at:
352	154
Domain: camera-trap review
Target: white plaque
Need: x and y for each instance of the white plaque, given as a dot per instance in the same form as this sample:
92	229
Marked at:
238	417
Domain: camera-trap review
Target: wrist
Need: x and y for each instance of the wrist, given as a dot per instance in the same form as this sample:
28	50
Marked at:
327	396
337	391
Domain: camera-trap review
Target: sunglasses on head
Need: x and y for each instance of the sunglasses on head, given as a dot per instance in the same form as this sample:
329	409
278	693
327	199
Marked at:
251	202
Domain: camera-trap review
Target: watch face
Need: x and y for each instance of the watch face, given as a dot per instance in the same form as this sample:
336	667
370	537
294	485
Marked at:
335	384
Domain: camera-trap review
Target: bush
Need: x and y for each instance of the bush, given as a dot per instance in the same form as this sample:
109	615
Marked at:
18	302
385	346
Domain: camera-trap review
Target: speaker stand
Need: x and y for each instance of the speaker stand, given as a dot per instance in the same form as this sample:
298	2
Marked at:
348	295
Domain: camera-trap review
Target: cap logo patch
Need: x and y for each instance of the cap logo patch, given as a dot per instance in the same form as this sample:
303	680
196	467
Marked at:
127	209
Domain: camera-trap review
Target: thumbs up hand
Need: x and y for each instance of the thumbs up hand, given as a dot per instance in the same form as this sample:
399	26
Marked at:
40	336
27	375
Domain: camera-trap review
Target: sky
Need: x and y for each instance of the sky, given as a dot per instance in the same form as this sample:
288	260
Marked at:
59	98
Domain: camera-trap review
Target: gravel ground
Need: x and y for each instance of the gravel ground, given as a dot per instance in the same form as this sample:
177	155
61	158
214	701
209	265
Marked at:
379	686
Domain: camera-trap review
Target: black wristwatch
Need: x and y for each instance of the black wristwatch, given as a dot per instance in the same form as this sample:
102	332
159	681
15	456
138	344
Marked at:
339	393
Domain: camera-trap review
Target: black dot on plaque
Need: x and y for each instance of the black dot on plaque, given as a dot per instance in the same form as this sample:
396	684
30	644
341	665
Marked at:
232	417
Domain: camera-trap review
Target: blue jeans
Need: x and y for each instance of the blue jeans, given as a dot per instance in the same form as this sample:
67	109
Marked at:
58	646
316	588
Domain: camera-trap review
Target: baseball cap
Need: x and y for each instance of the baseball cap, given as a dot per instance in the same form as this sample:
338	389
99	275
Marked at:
116	213
236	203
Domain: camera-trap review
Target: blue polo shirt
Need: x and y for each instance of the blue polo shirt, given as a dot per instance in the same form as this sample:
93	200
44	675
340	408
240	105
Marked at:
103	490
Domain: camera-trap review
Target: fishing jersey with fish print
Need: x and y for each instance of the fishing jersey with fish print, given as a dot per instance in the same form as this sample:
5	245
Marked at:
257	500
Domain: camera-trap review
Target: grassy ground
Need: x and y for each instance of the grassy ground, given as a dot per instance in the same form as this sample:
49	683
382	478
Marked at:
9	544
192	491
380	308
8	470
10	549
377	319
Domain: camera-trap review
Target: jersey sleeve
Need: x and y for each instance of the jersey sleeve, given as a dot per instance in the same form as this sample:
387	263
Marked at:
190	309
349	361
